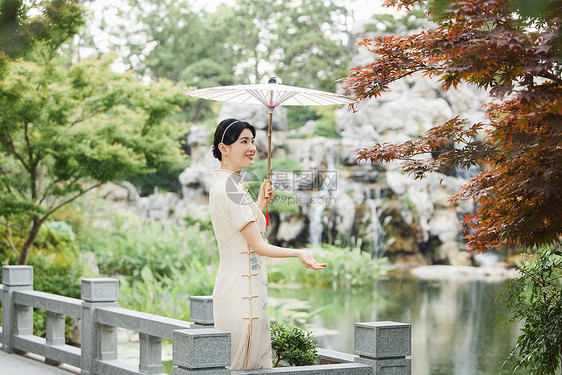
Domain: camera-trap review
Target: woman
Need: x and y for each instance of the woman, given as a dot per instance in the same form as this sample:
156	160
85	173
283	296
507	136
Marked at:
240	294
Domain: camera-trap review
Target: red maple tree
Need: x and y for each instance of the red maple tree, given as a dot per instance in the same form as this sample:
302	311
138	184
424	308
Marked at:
514	55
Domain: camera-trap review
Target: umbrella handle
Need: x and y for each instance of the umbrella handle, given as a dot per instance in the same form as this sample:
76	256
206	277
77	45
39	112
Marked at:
267	186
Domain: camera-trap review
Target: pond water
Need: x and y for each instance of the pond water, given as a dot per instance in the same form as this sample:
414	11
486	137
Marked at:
455	330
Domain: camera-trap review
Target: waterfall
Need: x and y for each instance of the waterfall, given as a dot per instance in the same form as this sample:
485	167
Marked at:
316	211
318	204
467	174
376	228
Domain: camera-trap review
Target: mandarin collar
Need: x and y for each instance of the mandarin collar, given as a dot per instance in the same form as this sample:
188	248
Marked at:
237	177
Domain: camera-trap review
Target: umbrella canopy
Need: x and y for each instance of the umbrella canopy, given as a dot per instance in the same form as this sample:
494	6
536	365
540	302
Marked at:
271	94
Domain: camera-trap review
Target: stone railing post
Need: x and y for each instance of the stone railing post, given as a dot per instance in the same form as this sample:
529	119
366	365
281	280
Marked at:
384	345
201	311
201	351
96	343
16	320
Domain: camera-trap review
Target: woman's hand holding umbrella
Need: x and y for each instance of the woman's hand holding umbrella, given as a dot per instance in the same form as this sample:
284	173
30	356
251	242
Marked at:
266	193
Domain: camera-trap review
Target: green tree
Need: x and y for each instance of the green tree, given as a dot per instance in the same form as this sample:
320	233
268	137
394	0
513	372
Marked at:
170	40
65	130
19	31
303	42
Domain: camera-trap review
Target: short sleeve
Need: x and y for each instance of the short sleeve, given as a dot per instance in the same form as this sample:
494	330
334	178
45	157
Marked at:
239	212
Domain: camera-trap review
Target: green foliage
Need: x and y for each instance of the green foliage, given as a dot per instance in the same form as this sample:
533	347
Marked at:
294	346
54	21
160	264
56	262
304	41
64	129
382	23
57	268
347	268
155	294
283	201
325	128
536	299
165	179
259	169
297	116
388	24
161	246
179	49
202	224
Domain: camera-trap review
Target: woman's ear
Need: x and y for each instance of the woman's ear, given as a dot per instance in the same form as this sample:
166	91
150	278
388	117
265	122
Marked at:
222	148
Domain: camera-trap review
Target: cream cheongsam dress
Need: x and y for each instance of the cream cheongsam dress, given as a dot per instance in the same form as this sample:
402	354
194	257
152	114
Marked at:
240	294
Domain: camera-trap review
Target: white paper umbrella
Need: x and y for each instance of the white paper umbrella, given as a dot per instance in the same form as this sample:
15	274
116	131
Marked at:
272	95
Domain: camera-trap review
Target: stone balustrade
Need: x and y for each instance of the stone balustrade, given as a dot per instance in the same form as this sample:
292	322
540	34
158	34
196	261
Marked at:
198	348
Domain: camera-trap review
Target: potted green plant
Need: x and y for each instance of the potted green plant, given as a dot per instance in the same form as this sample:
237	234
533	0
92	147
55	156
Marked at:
293	346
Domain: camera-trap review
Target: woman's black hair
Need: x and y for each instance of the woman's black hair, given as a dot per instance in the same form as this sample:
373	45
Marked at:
228	134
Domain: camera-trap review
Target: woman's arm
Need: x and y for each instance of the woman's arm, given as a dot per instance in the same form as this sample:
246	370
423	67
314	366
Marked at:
252	236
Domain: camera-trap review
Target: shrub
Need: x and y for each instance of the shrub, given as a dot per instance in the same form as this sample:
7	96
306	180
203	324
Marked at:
160	264
160	245
294	346
536	299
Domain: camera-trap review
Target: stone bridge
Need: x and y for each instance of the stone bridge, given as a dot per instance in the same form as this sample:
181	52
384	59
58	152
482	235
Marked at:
381	348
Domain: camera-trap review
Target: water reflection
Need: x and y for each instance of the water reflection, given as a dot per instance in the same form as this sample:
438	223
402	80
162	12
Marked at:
454	327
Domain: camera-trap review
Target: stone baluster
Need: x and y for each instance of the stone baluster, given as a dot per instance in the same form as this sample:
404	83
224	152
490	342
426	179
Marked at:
385	346
97	343
54	333
150	354
203	351
16	320
201	311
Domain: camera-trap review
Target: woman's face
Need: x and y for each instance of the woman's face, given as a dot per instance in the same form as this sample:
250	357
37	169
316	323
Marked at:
241	153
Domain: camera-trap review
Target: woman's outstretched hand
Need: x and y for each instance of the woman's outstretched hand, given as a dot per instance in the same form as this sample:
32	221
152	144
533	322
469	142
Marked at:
309	262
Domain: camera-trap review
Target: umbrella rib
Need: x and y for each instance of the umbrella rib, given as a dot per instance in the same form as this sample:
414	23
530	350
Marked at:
334	99
284	96
258	95
312	97
221	96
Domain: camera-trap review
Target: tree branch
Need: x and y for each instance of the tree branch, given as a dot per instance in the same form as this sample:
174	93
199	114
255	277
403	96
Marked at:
70	200
88	115
10	240
20	191
29	151
10	144
48	188
5	173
